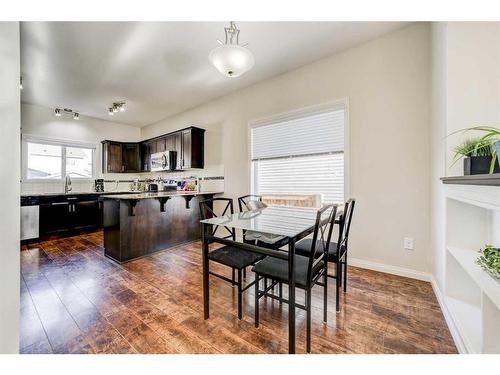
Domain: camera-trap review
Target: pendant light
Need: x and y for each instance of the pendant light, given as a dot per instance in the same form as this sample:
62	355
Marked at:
230	58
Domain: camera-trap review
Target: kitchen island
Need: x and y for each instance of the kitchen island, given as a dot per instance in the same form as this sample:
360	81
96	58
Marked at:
136	225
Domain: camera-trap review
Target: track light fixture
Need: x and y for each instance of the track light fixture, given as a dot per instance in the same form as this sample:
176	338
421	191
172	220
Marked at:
21	82
116	107
58	112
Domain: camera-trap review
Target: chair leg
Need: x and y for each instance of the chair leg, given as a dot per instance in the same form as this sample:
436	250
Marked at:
245	273
337	286
232	277
265	285
308	328
280	291
339	273
345	272
325	294
240	281
256	307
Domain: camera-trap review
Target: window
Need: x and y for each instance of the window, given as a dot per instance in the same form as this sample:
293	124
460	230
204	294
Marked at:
54	160
300	154
44	161
79	162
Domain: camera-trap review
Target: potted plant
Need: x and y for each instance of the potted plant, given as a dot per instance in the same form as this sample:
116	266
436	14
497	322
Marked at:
489	260
479	156
492	137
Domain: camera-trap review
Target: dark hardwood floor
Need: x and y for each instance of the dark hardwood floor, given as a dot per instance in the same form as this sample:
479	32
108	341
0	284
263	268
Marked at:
74	300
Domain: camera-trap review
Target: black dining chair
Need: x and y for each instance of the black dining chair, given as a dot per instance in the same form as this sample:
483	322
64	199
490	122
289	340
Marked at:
235	258
337	252
308	269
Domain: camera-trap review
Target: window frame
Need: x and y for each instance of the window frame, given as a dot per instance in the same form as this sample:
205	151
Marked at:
342	103
56	142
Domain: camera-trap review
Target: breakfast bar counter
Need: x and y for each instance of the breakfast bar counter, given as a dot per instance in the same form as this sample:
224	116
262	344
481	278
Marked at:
136	225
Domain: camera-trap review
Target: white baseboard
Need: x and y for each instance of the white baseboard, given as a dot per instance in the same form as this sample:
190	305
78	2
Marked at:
394	270
462	349
419	275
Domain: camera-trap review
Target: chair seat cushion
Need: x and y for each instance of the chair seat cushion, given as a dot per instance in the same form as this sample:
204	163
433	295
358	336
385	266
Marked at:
303	247
234	257
277	269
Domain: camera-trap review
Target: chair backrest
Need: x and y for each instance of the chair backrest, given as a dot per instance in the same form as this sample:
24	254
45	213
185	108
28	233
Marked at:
250	202
345	223
325	220
207	212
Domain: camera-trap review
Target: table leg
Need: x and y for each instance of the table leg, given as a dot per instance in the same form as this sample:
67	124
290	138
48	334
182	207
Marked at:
204	247
291	297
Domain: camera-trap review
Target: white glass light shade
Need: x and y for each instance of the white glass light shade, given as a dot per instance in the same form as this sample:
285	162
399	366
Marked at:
231	60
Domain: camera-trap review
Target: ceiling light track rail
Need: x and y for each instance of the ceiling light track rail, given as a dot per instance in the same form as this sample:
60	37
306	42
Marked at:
58	112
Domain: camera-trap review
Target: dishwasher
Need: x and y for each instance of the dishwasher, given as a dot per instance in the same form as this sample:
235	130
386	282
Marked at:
30	216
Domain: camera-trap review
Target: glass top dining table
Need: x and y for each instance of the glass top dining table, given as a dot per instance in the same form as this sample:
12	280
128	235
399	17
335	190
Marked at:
276	220
295	223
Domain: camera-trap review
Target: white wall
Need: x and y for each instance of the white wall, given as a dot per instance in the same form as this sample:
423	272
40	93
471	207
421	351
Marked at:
387	84
9	175
473	85
40	121
465	92
438	149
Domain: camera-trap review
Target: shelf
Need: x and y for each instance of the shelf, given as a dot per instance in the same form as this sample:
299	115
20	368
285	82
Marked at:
489	285
476	179
467	318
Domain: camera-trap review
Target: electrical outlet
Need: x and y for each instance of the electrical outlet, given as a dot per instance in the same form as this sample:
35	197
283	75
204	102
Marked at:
408	243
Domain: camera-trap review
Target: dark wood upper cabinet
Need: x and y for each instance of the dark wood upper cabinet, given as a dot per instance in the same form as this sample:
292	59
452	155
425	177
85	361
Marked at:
122	157
193	148
145	150
130	158
112	157
174	143
161	144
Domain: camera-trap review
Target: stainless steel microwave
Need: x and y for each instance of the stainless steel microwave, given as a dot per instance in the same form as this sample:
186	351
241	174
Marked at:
163	161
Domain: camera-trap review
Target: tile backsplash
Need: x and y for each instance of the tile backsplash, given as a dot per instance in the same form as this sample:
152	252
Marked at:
212	179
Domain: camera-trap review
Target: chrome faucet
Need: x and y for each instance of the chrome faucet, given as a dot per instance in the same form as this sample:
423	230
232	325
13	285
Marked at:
67	185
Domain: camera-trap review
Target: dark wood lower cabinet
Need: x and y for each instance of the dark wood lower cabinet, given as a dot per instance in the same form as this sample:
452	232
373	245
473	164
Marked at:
128	237
54	218
69	214
85	214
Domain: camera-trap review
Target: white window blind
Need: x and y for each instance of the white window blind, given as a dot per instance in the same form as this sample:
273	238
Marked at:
300	155
308	134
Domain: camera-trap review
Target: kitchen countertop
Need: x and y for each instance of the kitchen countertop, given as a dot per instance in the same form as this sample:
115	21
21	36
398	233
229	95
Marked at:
77	193
162	194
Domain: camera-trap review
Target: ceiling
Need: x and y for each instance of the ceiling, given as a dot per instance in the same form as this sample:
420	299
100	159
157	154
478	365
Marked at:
161	68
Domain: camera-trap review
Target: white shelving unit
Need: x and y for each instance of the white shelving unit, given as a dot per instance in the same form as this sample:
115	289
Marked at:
472	296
